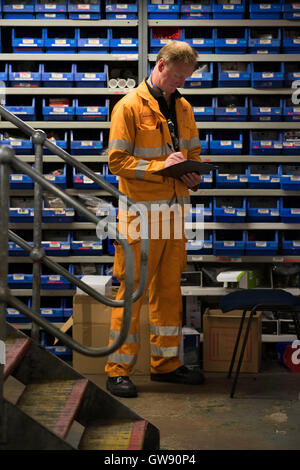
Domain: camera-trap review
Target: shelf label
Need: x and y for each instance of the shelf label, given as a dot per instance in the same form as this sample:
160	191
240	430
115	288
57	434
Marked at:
198	41
126	41
47	311
267	75
227	243
94	41
233	75
264	6
163	7
18	277
264	110
265	41
296	243
18	7
263	211
295	211
83	7
228	7
60	41
261	244
28	41
199	110
231	110
225	142
50	6
231	41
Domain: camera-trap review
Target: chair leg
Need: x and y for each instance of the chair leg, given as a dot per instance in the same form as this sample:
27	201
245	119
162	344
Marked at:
236	344
242	353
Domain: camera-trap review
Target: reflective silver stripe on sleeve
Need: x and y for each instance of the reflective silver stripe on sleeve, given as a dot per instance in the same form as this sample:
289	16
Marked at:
140	169
151	152
165	330
119	144
189	144
164	352
129	359
132	338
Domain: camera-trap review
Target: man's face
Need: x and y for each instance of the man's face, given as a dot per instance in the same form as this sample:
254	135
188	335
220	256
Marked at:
173	76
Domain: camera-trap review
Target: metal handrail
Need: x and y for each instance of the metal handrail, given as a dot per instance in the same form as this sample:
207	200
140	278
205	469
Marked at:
8	159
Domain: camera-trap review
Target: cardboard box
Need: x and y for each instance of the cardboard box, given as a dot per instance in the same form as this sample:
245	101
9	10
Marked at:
219	336
91	328
101	284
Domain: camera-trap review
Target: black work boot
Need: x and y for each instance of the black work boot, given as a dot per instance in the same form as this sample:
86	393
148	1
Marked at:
121	386
182	375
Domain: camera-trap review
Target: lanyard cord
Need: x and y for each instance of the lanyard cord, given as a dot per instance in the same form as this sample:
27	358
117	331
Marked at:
155	86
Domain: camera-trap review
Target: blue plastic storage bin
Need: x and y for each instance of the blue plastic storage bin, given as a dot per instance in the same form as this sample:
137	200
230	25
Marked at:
81	181
56	242
123	40
229	243
163	11
290	209
61	40
202	39
57	137
88	75
261	243
51	308
263	176
290	177
24	78
86	243
21	144
21	209
93	41
222	10
196	9
109	177
16	250
204	142
229	209
234	74
58	74
202	210
67	307
52	280
46	10
291	10
264	40
84	11
291	112
16	9
201	247
265	142
3	72
62	352
56	173
226	142
291	142
201	78
91	108
292	74
20	181
27	41
57	214
203	107
263	209
266	108
115	10
231	175
23	107
14	315
58	112
231	108
267	74
291	41
260	10
20	276
83	143
231	40
290	242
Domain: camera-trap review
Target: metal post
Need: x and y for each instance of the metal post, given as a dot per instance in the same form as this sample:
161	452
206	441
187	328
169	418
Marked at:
5	154
37	138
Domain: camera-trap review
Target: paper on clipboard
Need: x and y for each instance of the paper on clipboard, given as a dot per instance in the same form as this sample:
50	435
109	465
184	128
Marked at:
188	166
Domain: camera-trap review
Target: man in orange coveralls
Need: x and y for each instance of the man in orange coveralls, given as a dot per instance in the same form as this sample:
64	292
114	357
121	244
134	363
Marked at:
153	127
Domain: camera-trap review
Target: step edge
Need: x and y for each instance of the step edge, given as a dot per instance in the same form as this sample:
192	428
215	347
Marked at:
17	351
137	435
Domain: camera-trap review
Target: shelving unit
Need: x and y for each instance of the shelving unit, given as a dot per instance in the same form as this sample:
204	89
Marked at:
141	62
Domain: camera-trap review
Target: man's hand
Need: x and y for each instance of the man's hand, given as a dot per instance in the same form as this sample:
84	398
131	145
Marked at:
176	157
192	180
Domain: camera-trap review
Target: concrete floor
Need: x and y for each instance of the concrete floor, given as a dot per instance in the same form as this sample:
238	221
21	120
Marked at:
263	415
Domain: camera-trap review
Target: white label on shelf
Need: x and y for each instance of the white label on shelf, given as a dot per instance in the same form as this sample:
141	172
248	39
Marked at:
197	75
267	75
243	179
296	243
86	143
18	7
54	244
92	109
196	7
163	7
264	177
199	110
60	41
59	110
122	5
263	211
275	180
207	245
16	143
295	178
231	41
25	75
22	211
229	210
87	244
266	143
264	6
264	110
50	177
233	75
228	7
241	213
197	258
83	7
296	74
47	311
198	41
28	41
49	6
231	110
296	110
277	146
56	75
18	277
265	41
261	244
54	277
275	213
225	142
165	41
58	210
295	211
94	41
126	41
13	311
238	146
50	15
89	75
229	243
17	177
232	177
87	180
262	51
296	41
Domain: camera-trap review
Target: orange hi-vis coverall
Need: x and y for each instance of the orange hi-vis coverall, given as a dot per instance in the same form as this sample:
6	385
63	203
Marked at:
139	144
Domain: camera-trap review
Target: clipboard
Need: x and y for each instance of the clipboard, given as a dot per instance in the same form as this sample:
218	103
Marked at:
188	166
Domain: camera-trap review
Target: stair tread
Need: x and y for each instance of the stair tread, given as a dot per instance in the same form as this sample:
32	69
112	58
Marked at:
113	434
53	403
16	348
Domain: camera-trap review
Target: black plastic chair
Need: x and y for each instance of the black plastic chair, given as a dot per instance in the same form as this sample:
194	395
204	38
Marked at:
253	300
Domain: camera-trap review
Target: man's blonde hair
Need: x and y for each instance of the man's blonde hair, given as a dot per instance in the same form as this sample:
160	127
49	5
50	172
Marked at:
178	51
